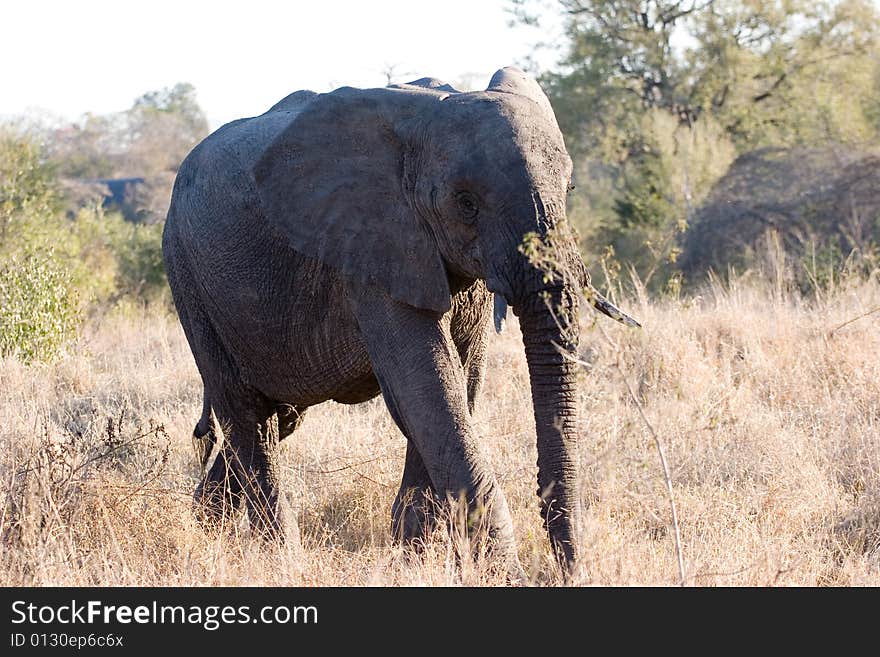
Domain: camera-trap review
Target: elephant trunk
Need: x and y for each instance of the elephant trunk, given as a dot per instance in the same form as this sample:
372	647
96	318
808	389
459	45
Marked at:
549	326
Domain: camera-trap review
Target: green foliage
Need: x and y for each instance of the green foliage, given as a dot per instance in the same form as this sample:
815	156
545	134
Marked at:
656	98
788	73
27	183
40	309
179	100
55	268
110	258
141	270
641	205
61	254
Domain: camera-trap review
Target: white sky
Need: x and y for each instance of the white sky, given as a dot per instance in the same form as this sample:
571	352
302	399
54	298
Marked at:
67	58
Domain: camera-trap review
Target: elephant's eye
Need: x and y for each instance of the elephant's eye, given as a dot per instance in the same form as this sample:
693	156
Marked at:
467	205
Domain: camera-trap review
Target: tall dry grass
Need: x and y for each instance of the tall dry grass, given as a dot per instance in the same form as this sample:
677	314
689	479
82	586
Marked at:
771	425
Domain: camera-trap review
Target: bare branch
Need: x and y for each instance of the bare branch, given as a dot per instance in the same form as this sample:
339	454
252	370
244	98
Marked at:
674	13
854	319
657	443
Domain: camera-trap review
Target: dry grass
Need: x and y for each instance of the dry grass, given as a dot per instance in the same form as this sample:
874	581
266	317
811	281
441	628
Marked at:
772	430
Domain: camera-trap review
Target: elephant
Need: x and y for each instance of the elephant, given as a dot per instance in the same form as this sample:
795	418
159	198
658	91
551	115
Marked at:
347	244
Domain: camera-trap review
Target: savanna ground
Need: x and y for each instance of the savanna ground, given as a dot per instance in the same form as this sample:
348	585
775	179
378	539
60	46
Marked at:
770	418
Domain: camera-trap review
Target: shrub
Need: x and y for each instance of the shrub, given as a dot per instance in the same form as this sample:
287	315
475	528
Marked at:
141	270
26	183
111	259
55	266
40	308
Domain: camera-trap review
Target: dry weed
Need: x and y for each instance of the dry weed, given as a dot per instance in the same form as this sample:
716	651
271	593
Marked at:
771	424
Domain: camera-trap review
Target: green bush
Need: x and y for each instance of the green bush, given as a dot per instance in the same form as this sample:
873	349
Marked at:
55	267
39	305
141	270
112	259
40	308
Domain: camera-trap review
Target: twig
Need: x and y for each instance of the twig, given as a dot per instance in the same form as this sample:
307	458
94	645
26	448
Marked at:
370	479
657	442
729	573
350	466
99	457
854	319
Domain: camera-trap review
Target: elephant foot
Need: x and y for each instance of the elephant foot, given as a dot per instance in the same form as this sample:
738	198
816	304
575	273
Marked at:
272	520
485	530
414	517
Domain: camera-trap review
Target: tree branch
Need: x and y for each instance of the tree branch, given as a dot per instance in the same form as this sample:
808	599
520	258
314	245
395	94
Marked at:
674	14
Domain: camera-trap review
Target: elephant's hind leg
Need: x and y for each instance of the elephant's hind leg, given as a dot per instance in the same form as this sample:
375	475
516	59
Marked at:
219	495
247	461
245	467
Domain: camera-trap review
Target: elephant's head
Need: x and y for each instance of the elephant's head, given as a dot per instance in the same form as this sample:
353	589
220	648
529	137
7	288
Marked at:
398	187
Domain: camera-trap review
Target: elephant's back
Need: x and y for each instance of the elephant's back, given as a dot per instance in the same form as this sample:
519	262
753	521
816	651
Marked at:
214	193
246	139
215	198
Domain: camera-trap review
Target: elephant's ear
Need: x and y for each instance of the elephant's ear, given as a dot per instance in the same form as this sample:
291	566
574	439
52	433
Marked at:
512	80
332	182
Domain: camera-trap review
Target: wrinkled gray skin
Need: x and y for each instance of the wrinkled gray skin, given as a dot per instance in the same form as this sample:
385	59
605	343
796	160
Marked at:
348	243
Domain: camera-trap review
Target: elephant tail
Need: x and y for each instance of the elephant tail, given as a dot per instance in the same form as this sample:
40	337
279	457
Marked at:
204	439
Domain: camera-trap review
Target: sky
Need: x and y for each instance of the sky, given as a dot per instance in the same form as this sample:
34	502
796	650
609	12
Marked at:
60	59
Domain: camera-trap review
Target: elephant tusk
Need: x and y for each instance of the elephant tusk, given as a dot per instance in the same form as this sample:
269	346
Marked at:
605	307
500	313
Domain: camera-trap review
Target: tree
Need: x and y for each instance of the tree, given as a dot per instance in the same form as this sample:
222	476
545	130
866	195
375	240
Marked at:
149	141
87	150
748	74
742	60
790	72
162	127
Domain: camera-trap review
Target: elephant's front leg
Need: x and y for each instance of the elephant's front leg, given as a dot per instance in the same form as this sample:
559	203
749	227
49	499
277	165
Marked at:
425	387
413	514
